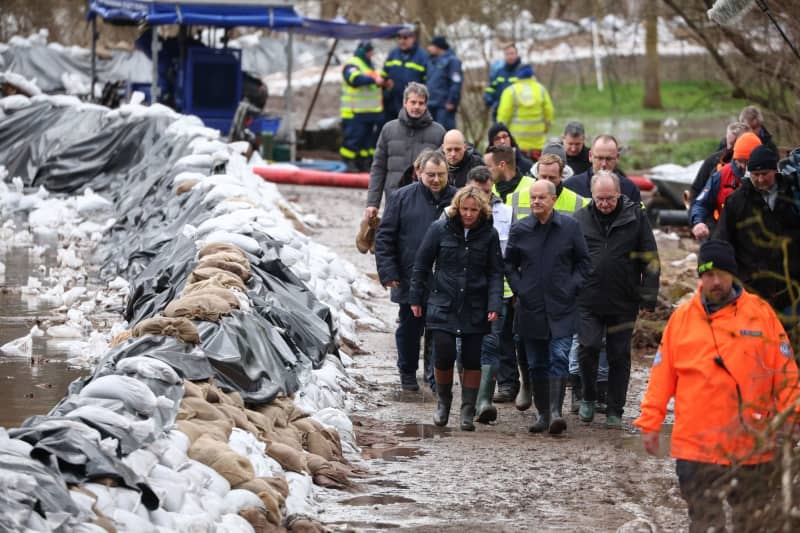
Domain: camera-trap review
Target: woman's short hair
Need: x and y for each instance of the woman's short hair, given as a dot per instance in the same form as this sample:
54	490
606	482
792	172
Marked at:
470	191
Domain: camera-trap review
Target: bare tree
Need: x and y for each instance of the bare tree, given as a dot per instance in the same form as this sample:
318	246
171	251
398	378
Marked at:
652	89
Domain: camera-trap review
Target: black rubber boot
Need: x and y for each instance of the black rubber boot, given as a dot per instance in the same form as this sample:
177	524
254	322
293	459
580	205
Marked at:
541	398
577	393
470	381
558	387
486	412
444	393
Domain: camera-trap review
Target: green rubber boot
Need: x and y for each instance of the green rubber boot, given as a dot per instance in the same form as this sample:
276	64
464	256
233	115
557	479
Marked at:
486	412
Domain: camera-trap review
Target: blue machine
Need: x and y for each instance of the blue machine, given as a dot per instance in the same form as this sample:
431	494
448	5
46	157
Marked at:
212	85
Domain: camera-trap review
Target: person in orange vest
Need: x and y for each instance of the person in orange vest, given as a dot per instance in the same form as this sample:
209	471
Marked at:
726	360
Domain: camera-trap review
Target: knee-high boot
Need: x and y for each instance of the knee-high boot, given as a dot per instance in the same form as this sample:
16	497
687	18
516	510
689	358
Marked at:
541	398
470	381
523	401
558	387
486	412
444	392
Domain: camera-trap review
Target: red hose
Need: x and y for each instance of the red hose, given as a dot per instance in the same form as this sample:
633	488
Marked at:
302	176
643	183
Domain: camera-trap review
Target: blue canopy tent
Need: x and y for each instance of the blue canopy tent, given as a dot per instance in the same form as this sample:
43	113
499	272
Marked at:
274	14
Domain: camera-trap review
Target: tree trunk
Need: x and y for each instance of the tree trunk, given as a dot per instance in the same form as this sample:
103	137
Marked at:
652	91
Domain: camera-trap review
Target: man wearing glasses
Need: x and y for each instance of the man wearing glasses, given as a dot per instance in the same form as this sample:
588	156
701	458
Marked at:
404	64
604	155
624	279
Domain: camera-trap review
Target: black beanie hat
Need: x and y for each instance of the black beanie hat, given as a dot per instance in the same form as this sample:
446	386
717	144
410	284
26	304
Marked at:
717	254
762	158
496	128
440	42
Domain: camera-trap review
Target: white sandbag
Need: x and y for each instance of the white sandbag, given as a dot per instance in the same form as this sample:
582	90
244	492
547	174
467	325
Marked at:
187	176
246	444
244	242
133	393
162	518
221	192
141	430
233	523
205	477
170	491
196	161
238	499
301	494
141	461
90	202
21	347
147	367
14	102
88	527
127	521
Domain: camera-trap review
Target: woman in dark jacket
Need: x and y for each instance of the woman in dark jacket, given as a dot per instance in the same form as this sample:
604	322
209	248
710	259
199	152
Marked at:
464	293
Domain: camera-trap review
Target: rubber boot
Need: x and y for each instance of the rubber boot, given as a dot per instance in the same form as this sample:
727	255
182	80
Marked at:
541	398
577	393
602	392
524	400
470	381
486	412
558	387
444	393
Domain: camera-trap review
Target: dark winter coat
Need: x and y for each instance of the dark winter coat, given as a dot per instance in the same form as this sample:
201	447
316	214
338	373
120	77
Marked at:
408	215
467	280
580	163
400	142
705	171
444	79
402	67
582	184
757	255
625	267
545	265
457	174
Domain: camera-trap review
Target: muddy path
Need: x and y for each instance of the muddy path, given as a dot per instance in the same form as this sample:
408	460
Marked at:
499	478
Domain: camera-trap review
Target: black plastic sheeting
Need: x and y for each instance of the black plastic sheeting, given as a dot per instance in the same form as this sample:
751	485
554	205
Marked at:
259	352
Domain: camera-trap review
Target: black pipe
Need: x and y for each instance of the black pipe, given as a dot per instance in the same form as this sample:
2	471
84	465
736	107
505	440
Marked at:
672	217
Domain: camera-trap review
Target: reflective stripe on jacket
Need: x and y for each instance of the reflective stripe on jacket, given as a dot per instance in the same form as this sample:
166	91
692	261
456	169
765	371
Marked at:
358	98
526	108
701	362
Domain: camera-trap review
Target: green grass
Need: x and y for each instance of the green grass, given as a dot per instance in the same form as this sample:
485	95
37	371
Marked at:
640	155
625	99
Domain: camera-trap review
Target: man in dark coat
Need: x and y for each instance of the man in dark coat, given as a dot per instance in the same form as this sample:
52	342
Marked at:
715	161
461	158
757	217
546	261
574	140
444	81
624	279
409	213
604	156
404	64
400	142
499	134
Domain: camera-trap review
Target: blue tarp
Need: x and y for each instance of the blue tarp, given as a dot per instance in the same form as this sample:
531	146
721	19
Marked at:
278	17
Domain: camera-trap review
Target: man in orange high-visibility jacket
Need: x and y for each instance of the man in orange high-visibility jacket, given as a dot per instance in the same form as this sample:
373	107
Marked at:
727	361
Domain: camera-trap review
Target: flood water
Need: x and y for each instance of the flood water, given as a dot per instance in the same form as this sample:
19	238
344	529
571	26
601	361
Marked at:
670	130
28	386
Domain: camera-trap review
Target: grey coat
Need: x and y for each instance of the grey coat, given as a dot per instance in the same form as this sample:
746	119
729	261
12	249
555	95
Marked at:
400	142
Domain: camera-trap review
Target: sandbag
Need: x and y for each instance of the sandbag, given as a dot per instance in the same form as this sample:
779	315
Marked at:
216	247
200	409
143	367
199	307
227	279
271	499
133	393
181	328
194	429
185	186
191	389
229	266
326	473
317	444
229	257
257	518
239	419
221	292
235	468
119	338
289	458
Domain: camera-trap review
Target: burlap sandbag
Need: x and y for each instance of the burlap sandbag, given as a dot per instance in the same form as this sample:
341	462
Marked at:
181	328
275	412
239	419
326	473
257	518
317	444
125	335
235	468
232	398
307	425
263	423
198	408
185	186
191	389
227	279
230	266
289	458
303	524
199	307
229	257
288	436
259	485
278	483
194	429
290	408
219	292
216	247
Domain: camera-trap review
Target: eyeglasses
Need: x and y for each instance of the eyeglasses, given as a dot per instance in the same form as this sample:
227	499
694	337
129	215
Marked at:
606	159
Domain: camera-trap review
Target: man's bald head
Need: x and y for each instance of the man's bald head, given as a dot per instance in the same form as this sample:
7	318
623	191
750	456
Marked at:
454	147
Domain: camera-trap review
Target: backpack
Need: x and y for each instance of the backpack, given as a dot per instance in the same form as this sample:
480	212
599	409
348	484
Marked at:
790	169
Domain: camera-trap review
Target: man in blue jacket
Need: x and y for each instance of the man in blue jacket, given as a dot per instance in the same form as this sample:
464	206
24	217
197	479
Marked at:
444	82
503	77
404	64
546	262
409	212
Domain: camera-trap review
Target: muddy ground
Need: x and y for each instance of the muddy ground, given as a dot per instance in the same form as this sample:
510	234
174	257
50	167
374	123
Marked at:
499	478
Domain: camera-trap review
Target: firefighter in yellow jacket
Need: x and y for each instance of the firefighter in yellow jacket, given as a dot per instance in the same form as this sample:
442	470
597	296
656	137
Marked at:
361	108
726	360
526	108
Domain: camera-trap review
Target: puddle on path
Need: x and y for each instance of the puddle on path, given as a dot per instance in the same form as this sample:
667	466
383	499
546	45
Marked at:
28	386
359	526
392	453
376	499
422	431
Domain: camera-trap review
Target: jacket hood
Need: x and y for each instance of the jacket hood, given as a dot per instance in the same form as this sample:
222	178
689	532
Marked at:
496	128
416	123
